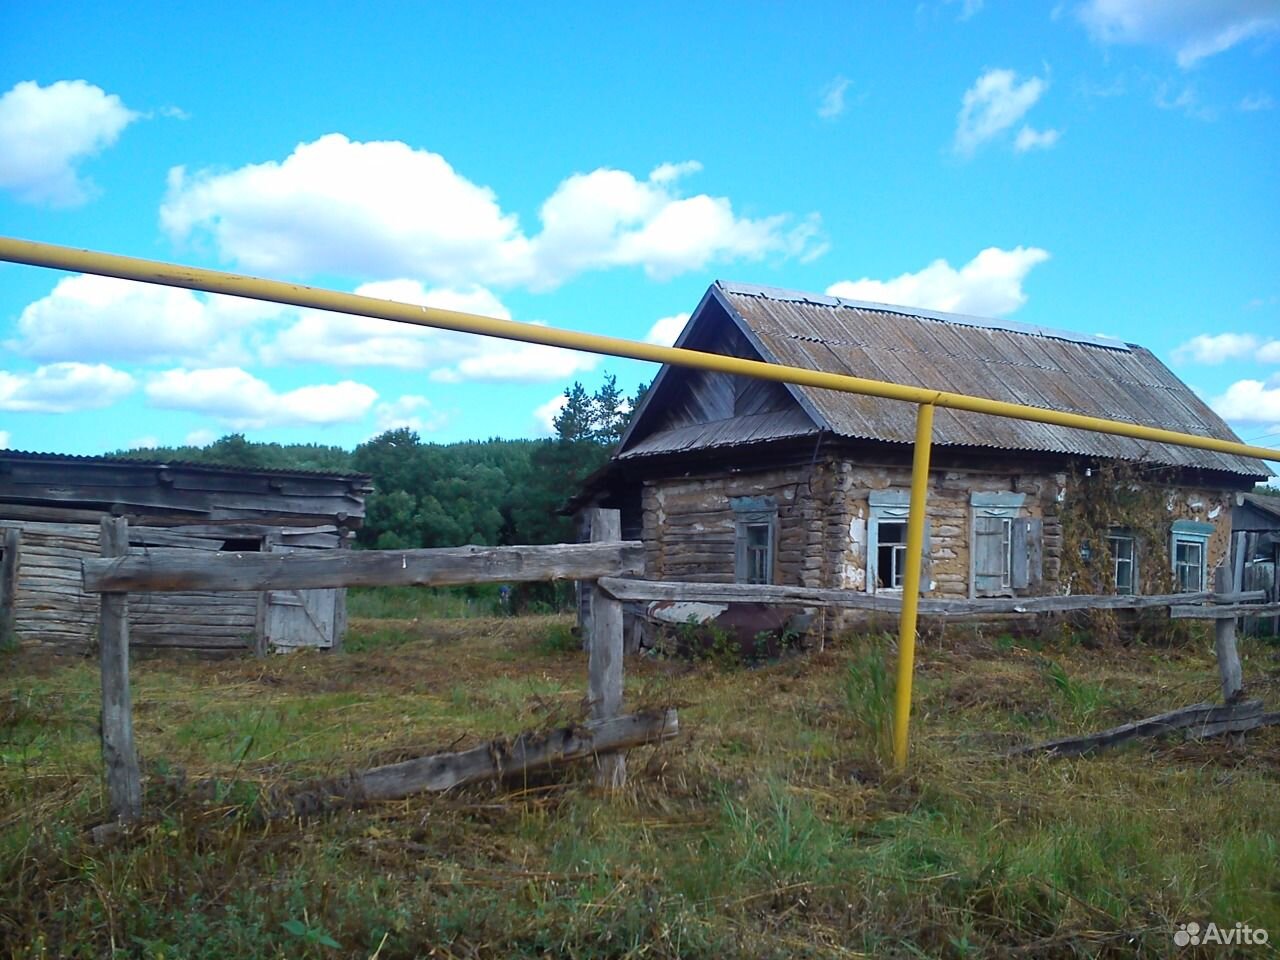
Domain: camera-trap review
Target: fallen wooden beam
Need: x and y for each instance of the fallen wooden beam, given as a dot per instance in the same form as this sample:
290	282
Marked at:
1200	717
494	760
168	570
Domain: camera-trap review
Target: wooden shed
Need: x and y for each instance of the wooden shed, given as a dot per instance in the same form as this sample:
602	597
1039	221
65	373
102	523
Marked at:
51	507
728	478
1255	533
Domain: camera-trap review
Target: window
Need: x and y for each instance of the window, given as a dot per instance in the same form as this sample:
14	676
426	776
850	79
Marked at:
891	554
991	547
755	533
1123	566
1189	551
887	541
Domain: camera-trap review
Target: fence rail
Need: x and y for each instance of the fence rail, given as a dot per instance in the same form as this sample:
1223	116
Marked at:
118	573
1205	605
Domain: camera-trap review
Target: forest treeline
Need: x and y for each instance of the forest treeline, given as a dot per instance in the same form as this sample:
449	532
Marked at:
447	494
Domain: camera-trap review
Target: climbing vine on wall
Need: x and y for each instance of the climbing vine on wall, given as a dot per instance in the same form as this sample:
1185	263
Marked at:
1101	501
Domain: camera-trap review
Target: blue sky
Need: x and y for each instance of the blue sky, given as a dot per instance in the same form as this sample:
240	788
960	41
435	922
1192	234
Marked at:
1104	166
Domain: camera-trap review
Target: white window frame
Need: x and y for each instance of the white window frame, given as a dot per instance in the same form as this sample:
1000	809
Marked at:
1117	535
1003	506
1190	533
884	506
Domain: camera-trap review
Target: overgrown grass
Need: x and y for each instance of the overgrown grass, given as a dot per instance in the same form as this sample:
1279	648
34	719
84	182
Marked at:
423	603
764	831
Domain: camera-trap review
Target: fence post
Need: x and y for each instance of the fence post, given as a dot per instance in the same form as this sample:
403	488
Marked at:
10	546
124	784
1224	641
604	652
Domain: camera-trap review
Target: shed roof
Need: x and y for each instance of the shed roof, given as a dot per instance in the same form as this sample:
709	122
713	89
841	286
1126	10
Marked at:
997	359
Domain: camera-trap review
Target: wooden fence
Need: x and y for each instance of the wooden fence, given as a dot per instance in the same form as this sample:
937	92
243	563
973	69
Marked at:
606	566
118	572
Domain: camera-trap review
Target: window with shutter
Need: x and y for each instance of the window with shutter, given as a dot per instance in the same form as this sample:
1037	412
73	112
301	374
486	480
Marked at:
1004	548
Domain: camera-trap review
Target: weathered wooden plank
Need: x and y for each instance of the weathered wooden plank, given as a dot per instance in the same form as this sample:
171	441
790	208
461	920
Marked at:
1224	643
1231	611
604	651
1236	725
1201	715
629	589
496	760
124	783
164	570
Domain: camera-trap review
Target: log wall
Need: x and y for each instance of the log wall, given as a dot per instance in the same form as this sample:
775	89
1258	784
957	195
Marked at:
823	511
50	607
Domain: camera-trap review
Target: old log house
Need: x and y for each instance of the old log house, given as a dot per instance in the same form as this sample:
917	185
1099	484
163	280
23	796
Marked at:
731	479
50	510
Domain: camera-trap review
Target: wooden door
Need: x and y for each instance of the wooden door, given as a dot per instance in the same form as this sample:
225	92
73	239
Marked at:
302	618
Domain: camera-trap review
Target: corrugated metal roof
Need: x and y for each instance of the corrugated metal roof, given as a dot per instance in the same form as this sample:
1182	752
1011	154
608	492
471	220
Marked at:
997	359
724	433
182	464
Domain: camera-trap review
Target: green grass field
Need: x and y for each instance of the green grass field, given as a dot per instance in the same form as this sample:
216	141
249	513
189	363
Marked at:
770	828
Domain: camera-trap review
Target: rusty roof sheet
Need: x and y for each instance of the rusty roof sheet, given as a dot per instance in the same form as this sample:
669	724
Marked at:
1000	360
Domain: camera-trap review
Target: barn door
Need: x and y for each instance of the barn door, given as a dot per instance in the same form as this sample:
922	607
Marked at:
301	618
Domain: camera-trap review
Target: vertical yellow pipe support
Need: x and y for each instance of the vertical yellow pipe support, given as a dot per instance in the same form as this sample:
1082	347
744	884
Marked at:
911	582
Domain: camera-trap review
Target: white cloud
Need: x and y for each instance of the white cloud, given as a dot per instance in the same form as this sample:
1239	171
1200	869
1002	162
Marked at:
200	438
666	330
146	442
833	104
5	440
370	209
1256	101
63	388
414	412
1193	29
988	285
88	317
1216	348
1250	401
45	132
239	399
544	416
994	103
505	361
1030	138
318	336
1186	101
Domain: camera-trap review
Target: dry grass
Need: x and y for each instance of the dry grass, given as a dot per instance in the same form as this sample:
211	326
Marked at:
769	829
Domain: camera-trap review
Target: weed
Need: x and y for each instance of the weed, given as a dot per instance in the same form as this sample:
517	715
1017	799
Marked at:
868	697
1083	699
559	639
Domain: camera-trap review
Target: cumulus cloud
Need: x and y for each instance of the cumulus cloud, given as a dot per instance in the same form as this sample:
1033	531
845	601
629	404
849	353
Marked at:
45	132
833	93
1029	138
147	441
318	336
1250	401
1192	29
505	361
368	209
1221	347
63	388
239	399
988	285
665	331
545	415
409	411
88	317
5	440
995	102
